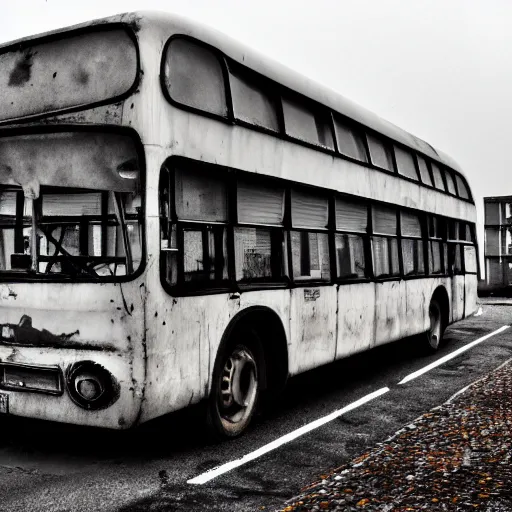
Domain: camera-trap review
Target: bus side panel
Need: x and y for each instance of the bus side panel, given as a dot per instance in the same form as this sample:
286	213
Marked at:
458	301
418	295
312	327
356	318
390	311
471	284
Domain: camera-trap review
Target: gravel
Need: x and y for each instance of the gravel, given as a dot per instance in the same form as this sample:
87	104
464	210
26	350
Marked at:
455	457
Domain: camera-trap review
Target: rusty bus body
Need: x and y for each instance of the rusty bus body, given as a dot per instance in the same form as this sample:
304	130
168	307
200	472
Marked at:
161	348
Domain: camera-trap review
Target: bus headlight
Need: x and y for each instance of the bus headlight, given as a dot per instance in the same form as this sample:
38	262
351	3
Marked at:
91	386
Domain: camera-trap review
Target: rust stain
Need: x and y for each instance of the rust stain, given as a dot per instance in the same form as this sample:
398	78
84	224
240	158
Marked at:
81	76
21	73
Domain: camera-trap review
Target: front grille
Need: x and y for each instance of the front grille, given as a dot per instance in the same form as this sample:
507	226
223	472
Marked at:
25	377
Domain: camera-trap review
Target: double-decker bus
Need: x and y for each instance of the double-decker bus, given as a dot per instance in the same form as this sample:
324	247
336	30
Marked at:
183	220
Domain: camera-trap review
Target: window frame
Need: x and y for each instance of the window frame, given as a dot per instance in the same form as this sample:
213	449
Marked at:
413	155
442	240
396	236
387	144
422	238
272	282
365	237
291	228
182	287
225	76
319	112
56	36
266	85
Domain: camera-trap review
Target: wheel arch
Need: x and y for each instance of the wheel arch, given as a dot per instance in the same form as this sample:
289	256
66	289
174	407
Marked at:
441	296
267	324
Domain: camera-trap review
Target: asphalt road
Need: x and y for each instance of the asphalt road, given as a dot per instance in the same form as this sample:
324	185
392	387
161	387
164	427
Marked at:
53	467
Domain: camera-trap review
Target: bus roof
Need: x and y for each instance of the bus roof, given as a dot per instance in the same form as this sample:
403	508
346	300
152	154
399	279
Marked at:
167	23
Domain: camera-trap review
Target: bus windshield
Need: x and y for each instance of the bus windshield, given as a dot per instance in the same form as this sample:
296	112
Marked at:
70	205
77	233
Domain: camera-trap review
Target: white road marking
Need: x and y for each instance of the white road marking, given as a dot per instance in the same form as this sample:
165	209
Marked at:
224	468
442	360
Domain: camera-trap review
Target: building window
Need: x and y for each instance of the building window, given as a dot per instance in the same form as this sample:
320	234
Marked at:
385	248
194	77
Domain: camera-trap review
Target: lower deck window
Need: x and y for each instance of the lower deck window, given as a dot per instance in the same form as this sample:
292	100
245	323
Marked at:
435	257
350	260
385	257
310	255
455	258
413	258
204	254
258	253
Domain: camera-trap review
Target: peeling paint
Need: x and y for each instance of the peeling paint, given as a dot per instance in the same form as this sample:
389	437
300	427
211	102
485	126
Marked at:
24	334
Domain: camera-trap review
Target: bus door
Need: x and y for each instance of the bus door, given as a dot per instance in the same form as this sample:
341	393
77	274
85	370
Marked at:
457	231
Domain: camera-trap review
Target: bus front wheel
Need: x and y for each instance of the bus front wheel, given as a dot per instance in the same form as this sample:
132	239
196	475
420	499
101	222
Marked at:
434	335
235	389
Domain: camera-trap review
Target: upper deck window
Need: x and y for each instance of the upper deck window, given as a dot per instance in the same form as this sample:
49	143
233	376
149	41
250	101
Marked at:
350	142
301	122
449	181
71	70
380	153
438	179
405	163
194	77
424	172
253	102
462	187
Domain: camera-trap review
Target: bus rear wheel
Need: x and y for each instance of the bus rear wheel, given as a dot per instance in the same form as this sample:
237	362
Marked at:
434	335
235	390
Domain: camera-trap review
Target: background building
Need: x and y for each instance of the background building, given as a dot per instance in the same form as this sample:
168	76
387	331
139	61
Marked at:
498	243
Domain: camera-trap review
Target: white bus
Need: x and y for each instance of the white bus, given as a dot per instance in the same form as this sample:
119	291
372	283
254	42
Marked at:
183	220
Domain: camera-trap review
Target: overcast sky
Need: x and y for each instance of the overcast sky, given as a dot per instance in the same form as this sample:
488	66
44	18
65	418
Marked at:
441	69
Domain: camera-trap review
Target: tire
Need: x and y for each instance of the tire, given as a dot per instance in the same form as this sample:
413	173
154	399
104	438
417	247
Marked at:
236	388
434	336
